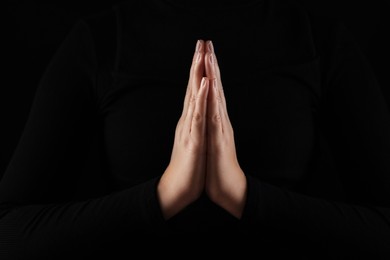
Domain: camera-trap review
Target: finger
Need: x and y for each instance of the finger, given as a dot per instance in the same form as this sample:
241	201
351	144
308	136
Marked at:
209	61
195	119
214	122
212	69
221	93
209	46
195	75
197	68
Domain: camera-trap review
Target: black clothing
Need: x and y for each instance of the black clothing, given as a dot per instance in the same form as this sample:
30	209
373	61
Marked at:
312	133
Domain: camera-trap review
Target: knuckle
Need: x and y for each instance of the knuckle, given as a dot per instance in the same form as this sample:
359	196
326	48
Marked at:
199	98
197	117
191	146
192	99
216	118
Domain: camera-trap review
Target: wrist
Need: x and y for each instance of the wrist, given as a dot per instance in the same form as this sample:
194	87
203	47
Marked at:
173	196
230	194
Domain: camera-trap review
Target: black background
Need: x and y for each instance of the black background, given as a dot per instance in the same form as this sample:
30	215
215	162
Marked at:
33	31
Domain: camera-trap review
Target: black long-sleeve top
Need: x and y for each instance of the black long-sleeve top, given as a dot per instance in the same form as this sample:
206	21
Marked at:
312	133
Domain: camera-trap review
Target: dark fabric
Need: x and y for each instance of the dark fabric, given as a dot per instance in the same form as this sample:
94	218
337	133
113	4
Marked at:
311	126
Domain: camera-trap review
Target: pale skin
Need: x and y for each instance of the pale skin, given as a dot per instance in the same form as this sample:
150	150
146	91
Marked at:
204	156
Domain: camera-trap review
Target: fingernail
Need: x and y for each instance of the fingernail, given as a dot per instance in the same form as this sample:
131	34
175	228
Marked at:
210	46
203	82
197	48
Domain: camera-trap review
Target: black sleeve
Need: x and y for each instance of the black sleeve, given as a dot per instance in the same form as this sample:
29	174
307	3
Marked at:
37	217
356	122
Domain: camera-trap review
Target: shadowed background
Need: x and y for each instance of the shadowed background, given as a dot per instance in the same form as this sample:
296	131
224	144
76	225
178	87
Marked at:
33	30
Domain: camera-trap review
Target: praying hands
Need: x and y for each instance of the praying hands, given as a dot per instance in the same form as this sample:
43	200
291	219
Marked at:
204	157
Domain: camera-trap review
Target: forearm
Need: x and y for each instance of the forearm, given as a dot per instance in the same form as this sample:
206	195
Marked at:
56	229
352	228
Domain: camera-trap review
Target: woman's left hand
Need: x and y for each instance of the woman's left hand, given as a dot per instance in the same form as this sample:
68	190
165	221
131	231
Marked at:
225	181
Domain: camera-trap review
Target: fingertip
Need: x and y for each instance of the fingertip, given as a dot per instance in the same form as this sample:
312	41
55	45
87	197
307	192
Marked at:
201	44
198	45
210	46
199	50
205	81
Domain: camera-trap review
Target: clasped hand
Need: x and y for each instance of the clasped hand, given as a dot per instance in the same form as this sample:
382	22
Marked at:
203	157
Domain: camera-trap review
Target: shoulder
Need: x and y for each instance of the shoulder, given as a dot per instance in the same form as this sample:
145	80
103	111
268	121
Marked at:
105	27
325	27
102	29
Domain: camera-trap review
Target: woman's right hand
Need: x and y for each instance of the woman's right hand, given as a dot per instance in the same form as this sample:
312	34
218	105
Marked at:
183	180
